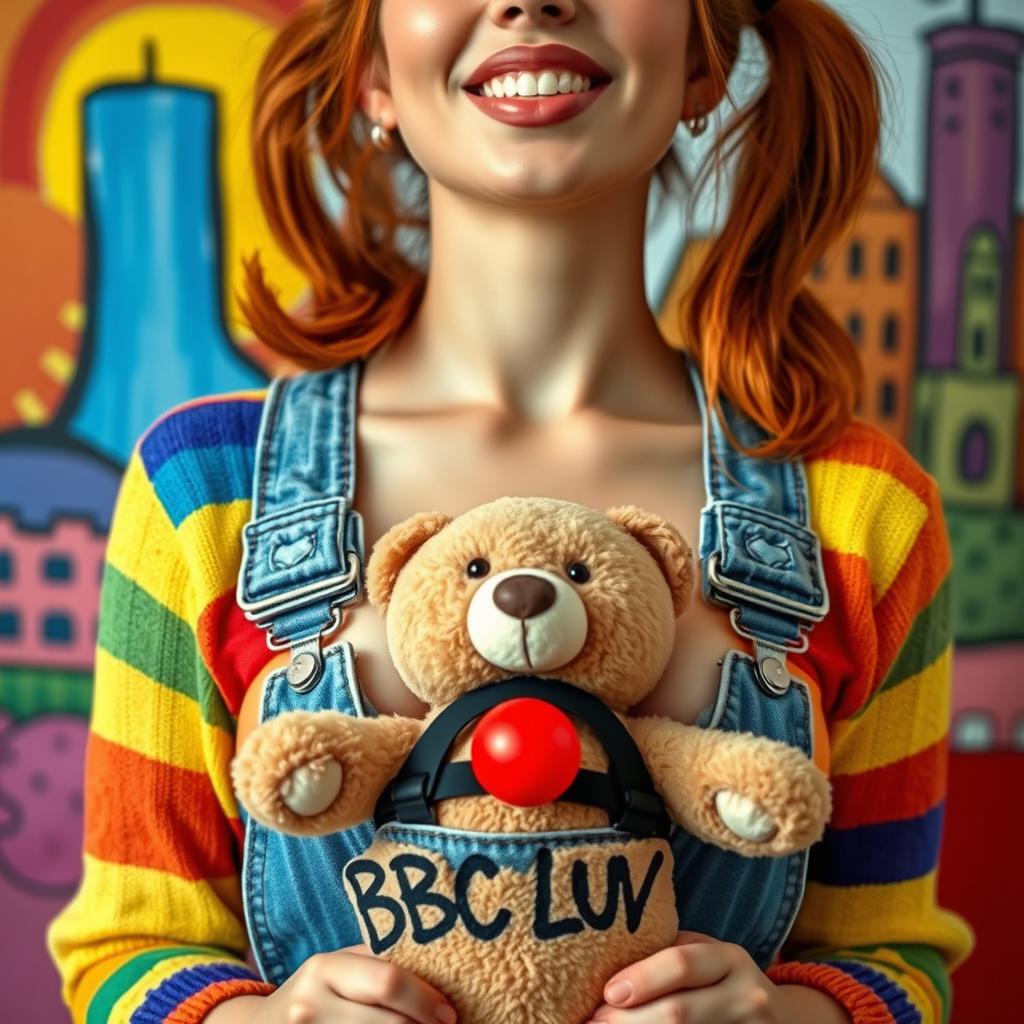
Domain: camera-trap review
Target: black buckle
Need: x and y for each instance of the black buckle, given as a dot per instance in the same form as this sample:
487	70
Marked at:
644	814
411	803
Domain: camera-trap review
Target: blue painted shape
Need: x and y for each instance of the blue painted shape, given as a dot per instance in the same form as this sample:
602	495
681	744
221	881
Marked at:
155	335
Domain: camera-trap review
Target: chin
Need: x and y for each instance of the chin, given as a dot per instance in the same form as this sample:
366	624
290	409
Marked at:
547	187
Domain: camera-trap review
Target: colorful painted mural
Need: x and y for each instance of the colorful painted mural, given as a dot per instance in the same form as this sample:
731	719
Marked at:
933	293
127	202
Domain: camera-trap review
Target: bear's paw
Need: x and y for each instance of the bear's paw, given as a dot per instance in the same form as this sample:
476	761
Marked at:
312	788
743	817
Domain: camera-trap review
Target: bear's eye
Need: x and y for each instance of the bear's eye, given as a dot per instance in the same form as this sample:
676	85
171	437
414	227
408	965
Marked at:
478	567
578	572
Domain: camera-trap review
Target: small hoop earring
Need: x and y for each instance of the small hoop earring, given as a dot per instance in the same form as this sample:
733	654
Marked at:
379	135
697	125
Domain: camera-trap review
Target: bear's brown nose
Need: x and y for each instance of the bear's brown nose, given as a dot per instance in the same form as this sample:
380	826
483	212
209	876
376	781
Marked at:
524	596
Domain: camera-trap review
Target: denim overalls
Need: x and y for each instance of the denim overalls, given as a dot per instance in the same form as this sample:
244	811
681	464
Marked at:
303	559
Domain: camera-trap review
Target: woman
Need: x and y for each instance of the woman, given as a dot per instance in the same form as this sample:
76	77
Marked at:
528	356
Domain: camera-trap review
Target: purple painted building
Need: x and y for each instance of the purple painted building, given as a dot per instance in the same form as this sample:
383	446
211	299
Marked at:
972	174
967	403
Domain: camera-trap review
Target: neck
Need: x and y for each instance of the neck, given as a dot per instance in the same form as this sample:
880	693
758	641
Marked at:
538	313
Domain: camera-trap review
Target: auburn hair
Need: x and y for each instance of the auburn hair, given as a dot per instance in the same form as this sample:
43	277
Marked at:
803	155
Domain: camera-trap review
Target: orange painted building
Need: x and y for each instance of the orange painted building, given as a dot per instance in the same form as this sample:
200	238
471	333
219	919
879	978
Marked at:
869	282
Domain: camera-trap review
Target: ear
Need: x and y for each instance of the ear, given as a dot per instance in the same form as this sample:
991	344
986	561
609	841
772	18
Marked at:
375	88
394	549
666	545
700	92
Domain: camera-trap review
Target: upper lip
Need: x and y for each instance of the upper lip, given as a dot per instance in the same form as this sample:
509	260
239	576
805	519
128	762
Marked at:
535	58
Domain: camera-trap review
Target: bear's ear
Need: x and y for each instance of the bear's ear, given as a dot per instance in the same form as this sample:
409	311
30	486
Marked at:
394	549
666	544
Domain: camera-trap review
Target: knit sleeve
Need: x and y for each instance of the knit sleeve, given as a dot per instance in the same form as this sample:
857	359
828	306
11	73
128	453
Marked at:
869	931
155	932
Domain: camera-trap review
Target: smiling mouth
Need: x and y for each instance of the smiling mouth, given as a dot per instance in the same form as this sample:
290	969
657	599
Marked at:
527	85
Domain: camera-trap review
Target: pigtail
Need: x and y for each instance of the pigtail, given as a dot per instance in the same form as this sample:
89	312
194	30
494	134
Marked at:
362	289
808	155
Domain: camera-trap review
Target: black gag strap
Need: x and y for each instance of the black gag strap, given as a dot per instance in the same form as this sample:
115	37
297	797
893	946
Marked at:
626	791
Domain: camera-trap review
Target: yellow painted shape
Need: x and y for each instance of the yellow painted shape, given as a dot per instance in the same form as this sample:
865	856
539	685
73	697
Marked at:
57	364
30	407
72	316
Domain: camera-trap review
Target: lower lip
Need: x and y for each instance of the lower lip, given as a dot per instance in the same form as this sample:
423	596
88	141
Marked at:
537	111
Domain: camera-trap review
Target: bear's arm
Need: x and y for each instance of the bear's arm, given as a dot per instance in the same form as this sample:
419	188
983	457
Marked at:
742	792
315	772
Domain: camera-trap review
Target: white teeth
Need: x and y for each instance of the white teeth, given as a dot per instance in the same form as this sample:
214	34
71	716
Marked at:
527	85
548	82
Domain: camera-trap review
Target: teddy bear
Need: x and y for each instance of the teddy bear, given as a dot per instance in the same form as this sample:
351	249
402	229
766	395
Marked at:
498	891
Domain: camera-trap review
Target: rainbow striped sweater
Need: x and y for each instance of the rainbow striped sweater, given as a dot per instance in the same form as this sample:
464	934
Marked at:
156	931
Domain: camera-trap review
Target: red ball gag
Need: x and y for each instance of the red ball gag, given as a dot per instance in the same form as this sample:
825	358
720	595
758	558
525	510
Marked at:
525	752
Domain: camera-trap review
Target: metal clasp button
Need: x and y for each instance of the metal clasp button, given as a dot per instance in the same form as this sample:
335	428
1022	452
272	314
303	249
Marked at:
772	674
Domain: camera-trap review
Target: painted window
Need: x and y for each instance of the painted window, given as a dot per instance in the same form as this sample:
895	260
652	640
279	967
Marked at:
10	624
856	259
976	450
892	260
57	628
887	398
58	568
6	566
855	325
891	333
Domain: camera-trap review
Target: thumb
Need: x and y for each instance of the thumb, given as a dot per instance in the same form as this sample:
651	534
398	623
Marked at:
361	950
683	938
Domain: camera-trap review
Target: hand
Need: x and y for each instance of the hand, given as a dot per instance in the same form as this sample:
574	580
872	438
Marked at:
350	986
701	980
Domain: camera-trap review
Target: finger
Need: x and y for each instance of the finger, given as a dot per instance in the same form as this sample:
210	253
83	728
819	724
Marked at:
683	938
669	970
702	1006
361	950
344	1011
380	983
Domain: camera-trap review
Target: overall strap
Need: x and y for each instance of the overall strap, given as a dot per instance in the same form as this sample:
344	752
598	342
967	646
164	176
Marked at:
302	555
758	554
